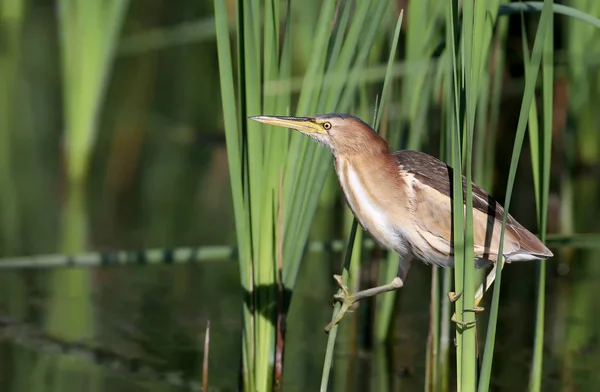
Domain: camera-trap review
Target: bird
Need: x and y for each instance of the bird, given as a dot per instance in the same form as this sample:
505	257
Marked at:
403	200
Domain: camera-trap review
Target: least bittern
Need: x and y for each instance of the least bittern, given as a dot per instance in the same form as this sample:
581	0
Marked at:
403	200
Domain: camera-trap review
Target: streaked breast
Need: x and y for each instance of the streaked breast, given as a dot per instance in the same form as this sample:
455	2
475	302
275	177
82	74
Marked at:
369	209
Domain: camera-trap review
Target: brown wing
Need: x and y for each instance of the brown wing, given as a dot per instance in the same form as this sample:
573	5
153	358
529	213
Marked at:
436	190
433	220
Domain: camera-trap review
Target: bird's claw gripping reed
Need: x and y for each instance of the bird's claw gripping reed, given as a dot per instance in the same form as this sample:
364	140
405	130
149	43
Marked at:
348	300
404	201
453	297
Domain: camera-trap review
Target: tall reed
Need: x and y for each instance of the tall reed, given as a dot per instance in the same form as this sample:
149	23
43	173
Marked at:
579	195
88	34
532	68
474	38
258	155
540	145
12	15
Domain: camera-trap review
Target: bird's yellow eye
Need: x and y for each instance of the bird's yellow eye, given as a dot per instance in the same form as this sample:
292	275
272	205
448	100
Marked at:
327	126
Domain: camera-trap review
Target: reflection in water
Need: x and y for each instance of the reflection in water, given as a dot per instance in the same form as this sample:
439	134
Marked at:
151	321
150	330
143	369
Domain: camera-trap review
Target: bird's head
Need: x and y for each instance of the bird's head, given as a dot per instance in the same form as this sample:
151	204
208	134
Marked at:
341	133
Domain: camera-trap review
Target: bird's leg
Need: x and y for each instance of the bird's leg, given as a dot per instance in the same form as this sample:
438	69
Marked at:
481	290
348	299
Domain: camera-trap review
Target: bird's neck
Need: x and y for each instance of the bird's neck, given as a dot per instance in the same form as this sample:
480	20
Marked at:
364	168
371	196
359	146
363	175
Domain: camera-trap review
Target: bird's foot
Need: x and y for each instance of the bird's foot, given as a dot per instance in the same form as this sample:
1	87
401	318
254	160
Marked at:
345	298
476	309
466	324
453	297
462	324
348	300
345	293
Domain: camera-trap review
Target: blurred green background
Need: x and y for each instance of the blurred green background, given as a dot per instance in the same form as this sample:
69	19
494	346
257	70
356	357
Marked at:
111	138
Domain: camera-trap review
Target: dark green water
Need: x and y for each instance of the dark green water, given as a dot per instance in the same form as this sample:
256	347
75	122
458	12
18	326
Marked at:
149	326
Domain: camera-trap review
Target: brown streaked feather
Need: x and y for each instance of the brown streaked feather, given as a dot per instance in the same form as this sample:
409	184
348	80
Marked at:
381	211
433	224
435	192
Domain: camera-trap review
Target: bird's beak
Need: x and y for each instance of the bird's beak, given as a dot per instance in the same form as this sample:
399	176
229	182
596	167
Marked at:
302	124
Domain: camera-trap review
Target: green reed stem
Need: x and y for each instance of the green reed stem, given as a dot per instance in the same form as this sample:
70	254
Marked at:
541	152
531	77
333	332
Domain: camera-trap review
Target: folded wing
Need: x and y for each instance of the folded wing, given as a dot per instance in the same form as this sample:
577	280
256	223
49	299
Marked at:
433	190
